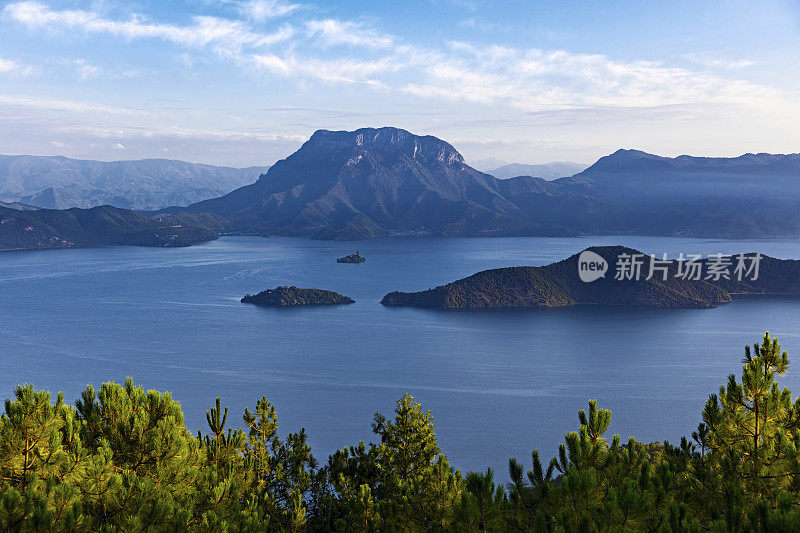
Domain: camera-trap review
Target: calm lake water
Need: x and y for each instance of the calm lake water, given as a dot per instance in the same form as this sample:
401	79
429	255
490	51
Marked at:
499	384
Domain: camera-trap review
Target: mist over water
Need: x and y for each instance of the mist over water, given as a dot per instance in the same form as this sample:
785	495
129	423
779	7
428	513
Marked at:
499	384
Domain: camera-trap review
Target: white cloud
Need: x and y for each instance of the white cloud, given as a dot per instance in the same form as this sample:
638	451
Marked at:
337	32
66	105
562	88
527	79
718	62
223	34
470	5
261	10
476	23
8	66
85	70
51	133
534	79
334	70
273	64
131	135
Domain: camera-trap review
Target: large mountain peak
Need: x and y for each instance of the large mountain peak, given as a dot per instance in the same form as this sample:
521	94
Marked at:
367	183
386	141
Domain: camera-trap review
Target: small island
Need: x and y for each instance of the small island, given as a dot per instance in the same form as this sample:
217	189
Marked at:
294	297
352	258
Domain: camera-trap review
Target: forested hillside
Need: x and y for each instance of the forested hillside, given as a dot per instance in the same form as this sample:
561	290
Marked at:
559	285
121	459
53	228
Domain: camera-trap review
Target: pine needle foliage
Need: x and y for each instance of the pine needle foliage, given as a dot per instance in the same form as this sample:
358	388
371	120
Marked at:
121	459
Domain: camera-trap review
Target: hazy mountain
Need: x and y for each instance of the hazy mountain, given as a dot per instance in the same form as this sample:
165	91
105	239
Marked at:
51	228
59	182
371	183
387	181
753	195
548	171
18	205
485	165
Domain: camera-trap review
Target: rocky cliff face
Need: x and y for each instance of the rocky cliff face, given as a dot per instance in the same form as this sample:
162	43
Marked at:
390	143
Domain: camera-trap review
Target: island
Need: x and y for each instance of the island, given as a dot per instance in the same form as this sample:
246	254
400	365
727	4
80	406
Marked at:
294	297
559	285
352	258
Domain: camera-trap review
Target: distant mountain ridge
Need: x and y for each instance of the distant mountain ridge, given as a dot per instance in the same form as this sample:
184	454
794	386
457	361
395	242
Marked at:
750	196
19	206
547	171
380	182
56	182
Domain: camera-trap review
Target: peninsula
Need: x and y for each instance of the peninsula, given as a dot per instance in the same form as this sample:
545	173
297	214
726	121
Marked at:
559	285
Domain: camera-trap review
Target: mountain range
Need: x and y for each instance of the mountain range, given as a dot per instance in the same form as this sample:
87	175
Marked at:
56	182
630	191
388	182
548	171
384	182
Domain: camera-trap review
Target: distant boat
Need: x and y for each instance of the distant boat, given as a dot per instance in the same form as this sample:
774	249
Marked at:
352	258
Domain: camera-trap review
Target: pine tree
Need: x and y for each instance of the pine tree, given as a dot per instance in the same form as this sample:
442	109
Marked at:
37	473
599	486
122	460
406	458
483	505
281	472
748	442
402	483
159	461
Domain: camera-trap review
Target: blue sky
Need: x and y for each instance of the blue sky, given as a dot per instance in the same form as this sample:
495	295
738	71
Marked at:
245	82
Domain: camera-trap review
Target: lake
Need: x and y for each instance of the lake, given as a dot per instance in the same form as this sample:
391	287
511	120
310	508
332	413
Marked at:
499	384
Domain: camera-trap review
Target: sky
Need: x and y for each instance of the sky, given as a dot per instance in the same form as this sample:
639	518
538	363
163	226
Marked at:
246	82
